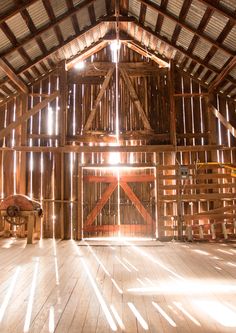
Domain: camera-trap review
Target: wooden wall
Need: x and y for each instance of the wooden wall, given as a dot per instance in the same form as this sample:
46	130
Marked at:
54	177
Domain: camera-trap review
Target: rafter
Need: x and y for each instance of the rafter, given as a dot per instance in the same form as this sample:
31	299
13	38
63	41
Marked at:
135	98
48	26
223	11
222	75
20	120
98	99
185	25
13	77
15	10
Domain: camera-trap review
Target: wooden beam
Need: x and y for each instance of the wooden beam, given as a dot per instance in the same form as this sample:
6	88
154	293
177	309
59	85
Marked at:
98	99
27	115
12	76
185	25
121	149
141	209
171	78
219	9
100	204
16	9
48	26
222	75
135	98
223	121
127	179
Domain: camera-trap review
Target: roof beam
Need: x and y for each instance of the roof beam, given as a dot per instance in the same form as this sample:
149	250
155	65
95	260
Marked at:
13	77
48	26
223	74
15	10
223	11
185	25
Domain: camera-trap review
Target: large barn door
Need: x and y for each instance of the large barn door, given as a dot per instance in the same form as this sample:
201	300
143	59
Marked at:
117	202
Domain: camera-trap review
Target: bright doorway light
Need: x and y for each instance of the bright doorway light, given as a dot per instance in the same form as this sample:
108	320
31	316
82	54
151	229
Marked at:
79	65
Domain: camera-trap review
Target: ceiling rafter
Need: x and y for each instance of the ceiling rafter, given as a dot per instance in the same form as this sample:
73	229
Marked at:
46	27
31	26
223	74
211	68
13	77
15	10
70	6
221	10
186	26
182	16
52	17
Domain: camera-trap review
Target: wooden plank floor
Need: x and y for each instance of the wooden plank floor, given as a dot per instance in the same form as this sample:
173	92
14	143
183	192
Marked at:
64	286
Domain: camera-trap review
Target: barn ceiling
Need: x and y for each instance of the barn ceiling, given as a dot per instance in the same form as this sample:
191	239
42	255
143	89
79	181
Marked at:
198	35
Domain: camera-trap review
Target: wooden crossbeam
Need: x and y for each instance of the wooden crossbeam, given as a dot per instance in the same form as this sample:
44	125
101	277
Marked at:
110	179
146	216
20	120
135	98
222	75
220	9
222	119
98	99
185	25
101	203
12	76
124	229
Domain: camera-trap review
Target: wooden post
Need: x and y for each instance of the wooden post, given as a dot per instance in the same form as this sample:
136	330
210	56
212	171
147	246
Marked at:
179	204
23	142
80	203
157	201
172	105
63	104
62	197
30	229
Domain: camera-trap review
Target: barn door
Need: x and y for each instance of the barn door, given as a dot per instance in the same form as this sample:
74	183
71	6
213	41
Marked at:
117	202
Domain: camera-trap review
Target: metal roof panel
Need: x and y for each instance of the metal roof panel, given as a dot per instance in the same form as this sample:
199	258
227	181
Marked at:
38	14
215	25
18	26
59	7
100	8
175	6
83	18
195	13
15	60
134	7
67	28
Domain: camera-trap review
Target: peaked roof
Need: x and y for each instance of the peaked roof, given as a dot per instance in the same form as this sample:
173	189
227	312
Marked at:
199	35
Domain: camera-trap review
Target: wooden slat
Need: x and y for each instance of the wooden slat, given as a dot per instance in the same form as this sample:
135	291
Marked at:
142	210
109	179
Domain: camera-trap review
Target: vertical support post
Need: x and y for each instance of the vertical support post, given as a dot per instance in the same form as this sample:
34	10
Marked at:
179	204
62	197
172	105
80	203
23	142
157	199
63	105
213	232
201	233
30	229
224	230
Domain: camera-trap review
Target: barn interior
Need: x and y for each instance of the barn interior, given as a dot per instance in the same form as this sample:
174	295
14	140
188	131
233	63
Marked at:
117	166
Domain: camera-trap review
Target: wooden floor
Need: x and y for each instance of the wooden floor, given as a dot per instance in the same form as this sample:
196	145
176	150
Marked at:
63	286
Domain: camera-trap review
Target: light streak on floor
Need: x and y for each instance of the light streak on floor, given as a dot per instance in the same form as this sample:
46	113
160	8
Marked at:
124	265
141	282
218	312
117	317
51	323
150	258
9	294
131	265
98	260
201	252
226	252
139	317
31	298
186	313
164	314
100	298
117	287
